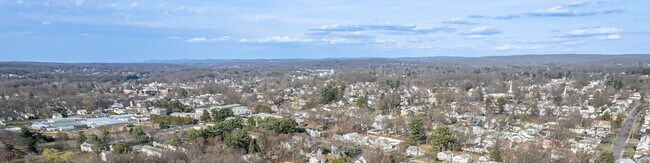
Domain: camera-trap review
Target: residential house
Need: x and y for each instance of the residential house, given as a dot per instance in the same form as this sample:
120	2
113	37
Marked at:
152	151
159	111
414	151
57	115
317	159
625	160
314	132
601	128
241	111
189	115
643	147
361	160
106	155
466	158
446	156
86	147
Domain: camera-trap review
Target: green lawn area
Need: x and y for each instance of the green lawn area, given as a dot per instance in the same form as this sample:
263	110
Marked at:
607	146
628	151
78	157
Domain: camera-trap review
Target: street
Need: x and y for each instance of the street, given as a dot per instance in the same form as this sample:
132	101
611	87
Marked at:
624	133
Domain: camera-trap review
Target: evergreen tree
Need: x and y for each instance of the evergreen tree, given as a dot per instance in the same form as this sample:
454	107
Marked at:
417	129
362	102
205	116
496	153
121	148
607	116
279	125
222	114
263	109
260	142
175	141
237	139
251	147
139	135
81	138
501	103
442	138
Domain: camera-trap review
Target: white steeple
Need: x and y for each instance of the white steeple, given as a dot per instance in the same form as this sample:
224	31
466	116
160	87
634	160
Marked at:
510	90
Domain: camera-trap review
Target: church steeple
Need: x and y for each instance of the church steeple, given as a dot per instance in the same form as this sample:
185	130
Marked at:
510	90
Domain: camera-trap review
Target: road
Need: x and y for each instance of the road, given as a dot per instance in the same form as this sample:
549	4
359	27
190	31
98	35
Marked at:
624	133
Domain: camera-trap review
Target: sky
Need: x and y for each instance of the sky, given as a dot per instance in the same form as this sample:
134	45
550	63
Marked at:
135	31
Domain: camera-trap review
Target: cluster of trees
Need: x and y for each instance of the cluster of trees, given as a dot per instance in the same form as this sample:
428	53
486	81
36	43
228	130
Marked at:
642	71
388	102
172	105
393	84
362	102
263	109
220	129
279	125
234	133
332	92
121	148
617	84
34	138
139	136
220	115
165	121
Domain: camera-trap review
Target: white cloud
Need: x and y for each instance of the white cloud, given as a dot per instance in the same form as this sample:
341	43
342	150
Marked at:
46	22
278	39
482	30
515	47
597	31
610	37
459	21
203	39
574	42
79	2
556	10
197	39
475	37
258	17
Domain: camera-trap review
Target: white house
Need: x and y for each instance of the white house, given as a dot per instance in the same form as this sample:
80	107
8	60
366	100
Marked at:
445	155
152	151
86	147
57	115
624	160
82	112
106	155
317	159
361	160
462	158
188	115
241	111
159	111
414	151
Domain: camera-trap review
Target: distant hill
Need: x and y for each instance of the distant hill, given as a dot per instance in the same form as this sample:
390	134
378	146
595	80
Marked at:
514	60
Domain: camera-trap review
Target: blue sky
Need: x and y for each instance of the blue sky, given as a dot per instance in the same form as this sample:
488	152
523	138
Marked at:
131	31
